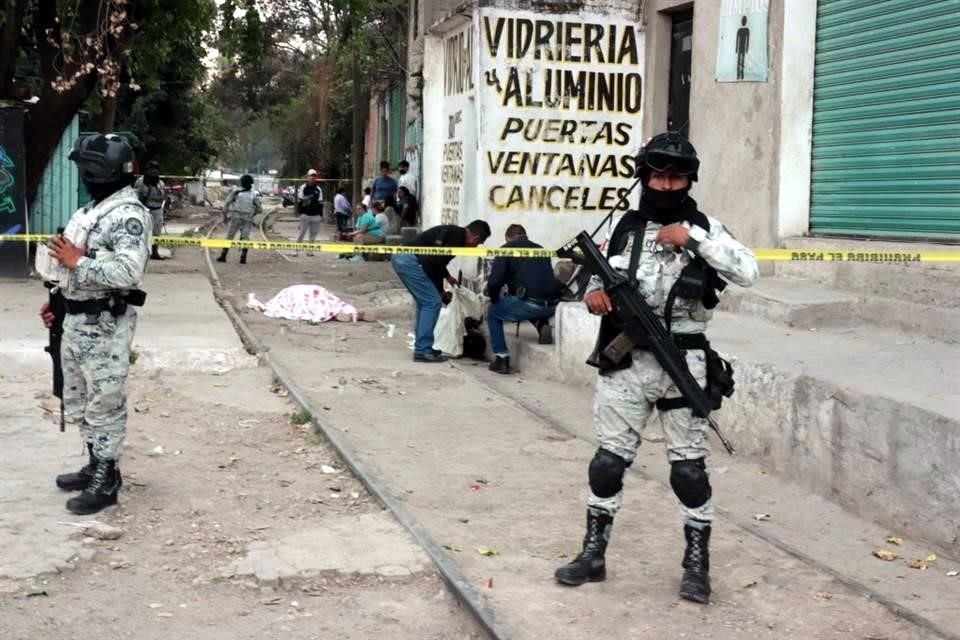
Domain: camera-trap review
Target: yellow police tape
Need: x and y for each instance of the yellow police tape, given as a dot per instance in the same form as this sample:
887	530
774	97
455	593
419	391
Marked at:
274	178
780	255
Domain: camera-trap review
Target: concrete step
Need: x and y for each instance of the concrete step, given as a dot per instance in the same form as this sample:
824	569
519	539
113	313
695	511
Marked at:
794	303
867	419
180	328
806	304
934	283
524	348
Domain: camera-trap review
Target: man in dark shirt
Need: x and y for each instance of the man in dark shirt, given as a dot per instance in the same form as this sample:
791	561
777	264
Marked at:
423	276
533	295
408	207
385	187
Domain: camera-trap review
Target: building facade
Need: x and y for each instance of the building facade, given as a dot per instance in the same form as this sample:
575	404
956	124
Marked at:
828	117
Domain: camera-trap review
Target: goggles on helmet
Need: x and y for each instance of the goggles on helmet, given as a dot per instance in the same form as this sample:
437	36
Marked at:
664	161
95	167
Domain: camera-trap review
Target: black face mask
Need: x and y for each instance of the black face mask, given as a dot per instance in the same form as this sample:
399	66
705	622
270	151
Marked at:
666	207
152	179
100	191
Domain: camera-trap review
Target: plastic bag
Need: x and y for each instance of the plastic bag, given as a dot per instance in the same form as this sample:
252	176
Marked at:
449	331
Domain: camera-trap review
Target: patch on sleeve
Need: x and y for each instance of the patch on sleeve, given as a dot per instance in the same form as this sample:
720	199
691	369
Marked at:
133	226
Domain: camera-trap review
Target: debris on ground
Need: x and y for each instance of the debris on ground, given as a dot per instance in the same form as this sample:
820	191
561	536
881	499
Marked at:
98	530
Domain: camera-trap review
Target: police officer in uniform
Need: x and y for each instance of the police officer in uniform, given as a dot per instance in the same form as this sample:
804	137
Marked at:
242	205
666	238
153	193
97	265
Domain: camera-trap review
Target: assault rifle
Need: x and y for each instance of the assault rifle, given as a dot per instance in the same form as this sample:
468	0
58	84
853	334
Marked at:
641	326
59	309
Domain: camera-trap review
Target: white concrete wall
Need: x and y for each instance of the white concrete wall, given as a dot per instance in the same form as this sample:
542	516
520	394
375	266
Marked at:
554	167
796	117
753	137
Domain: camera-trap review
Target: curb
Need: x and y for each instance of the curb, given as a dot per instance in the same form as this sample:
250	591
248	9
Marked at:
456	581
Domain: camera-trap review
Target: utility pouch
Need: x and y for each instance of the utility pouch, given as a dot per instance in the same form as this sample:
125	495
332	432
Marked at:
118	305
720	383
136	297
692	282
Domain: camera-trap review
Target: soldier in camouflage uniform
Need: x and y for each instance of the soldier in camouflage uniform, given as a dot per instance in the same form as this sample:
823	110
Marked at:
242	205
100	262
670	237
153	193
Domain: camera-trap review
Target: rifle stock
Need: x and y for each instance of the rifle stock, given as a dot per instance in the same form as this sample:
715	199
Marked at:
641	325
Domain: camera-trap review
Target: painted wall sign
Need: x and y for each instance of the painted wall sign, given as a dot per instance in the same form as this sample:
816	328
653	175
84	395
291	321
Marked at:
742	45
459	123
560	111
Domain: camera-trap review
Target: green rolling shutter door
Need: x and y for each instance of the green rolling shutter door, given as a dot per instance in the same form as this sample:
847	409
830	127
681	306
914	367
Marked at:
886	119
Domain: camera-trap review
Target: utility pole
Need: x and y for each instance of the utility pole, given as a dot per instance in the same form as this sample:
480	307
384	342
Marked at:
356	147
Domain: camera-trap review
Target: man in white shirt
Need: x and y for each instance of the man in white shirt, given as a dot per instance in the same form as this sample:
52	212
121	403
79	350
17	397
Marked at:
406	179
341	209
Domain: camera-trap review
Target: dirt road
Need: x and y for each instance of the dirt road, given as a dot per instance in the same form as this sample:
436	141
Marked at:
237	522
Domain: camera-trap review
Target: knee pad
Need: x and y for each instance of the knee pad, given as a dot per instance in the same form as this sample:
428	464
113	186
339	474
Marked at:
606	474
690	482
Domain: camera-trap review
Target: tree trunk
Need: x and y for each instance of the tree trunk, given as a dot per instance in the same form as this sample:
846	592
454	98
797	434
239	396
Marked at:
12	13
108	114
51	116
356	147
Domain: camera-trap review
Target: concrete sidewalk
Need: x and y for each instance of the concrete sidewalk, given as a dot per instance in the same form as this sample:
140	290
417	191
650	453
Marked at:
181	329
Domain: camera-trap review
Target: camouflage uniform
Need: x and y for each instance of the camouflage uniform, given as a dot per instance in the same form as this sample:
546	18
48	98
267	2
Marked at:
96	348
242	206
153	197
625	399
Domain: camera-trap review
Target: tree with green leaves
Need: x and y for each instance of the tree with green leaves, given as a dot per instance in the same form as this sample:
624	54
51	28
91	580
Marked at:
319	62
125	60
69	49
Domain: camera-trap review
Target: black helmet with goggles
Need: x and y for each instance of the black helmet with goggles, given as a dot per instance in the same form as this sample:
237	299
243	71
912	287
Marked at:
668	151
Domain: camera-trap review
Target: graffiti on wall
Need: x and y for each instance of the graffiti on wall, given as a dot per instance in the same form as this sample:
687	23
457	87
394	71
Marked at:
561	104
13	219
7	183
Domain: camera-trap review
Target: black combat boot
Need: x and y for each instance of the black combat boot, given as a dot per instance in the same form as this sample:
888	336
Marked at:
101	492
243	256
155	253
501	364
695	584
79	480
223	255
589	566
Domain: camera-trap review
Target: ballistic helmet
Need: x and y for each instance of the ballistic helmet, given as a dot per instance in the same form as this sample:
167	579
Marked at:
246	181
102	158
669	151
